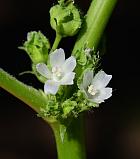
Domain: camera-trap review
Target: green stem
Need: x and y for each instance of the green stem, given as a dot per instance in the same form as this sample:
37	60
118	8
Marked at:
73	145
27	94
56	42
94	23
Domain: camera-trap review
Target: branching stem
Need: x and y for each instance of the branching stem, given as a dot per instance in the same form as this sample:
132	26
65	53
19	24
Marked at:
95	22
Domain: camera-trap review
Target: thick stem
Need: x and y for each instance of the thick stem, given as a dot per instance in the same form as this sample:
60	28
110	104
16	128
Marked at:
94	23
73	145
27	94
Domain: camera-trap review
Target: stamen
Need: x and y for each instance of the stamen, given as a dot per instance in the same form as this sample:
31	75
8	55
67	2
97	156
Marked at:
57	71
92	90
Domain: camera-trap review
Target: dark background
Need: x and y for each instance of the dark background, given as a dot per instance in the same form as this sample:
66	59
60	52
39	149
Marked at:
113	130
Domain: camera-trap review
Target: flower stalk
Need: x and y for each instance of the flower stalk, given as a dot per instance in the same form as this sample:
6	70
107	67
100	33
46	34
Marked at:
56	42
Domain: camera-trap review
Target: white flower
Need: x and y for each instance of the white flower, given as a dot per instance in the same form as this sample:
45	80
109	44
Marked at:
60	72
95	88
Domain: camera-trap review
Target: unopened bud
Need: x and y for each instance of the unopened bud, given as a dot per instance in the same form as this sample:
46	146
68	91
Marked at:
65	19
36	46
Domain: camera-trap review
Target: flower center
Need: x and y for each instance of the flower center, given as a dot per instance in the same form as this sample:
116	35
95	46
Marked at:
57	72
92	90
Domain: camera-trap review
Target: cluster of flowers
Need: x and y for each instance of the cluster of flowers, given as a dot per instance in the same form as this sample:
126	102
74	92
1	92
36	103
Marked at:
57	73
60	72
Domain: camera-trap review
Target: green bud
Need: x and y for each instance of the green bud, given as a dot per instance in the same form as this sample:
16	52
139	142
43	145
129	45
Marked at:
50	110
36	46
68	106
65	19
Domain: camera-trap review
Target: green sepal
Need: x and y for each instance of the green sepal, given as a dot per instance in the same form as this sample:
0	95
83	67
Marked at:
87	58
68	107
51	109
65	19
37	74
37	47
84	102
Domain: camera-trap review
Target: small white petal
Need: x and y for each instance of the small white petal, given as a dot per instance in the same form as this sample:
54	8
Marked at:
87	79
69	64
101	80
43	70
68	79
97	100
104	93
51	87
57	58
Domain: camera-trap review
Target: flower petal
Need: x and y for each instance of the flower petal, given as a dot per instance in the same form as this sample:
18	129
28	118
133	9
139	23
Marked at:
68	79
101	80
57	58
104	93
51	87
43	70
97	100
87	79
69	64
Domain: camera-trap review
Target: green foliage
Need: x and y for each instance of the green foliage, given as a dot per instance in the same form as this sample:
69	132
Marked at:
67	109
51	109
87	58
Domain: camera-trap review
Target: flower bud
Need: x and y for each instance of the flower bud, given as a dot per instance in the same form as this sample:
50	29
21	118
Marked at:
36	46
65	19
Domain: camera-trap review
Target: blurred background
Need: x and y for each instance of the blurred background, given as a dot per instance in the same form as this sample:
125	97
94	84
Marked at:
113	130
